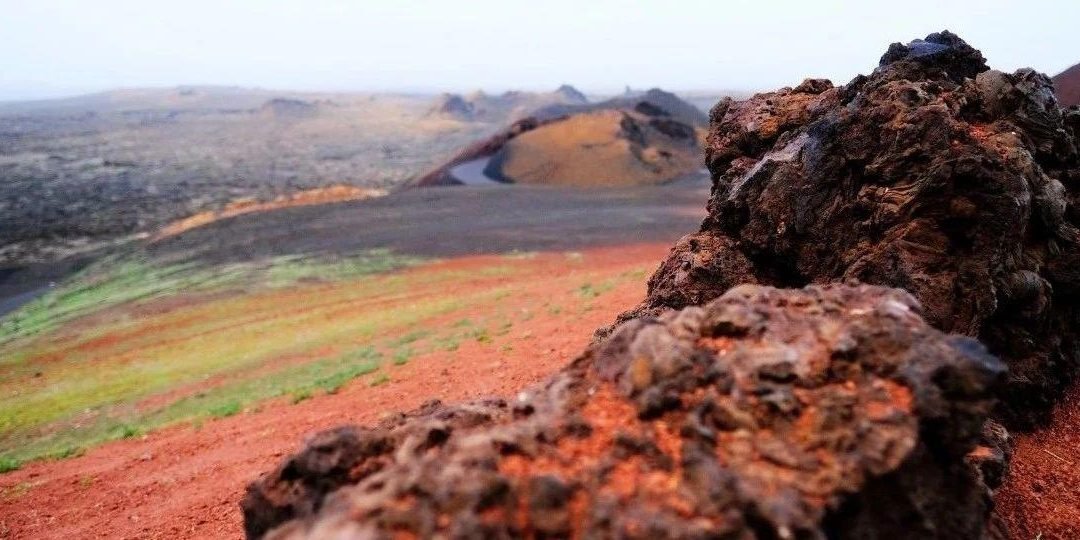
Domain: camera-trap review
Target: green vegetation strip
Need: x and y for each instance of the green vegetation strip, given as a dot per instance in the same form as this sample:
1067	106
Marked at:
295	343
122	280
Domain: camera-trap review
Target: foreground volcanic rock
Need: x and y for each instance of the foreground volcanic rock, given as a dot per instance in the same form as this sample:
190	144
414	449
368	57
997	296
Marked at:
767	413
934	174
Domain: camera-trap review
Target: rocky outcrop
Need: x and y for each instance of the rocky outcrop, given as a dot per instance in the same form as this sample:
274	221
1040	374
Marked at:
654	102
723	407
934	174
823	412
453	106
569	94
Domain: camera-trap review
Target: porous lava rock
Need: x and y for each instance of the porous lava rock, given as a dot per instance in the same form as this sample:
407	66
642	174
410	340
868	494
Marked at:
829	411
934	174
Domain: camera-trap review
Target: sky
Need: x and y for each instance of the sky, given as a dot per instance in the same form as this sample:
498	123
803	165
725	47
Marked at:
53	48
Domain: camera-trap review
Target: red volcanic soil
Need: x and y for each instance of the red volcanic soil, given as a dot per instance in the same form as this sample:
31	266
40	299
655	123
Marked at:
186	482
1041	496
1067	86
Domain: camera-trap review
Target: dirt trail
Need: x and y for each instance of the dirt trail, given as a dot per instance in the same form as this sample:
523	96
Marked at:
1041	496
185	482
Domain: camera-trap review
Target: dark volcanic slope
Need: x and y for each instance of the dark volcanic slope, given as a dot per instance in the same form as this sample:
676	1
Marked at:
1067	86
444	222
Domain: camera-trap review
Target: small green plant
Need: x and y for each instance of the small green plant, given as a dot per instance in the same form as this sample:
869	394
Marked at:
462	323
301	395
449	343
8	464
14	492
67	452
332	384
379	380
504	328
411	337
86	481
363	353
126	431
481	335
402	356
588	290
354	364
224	410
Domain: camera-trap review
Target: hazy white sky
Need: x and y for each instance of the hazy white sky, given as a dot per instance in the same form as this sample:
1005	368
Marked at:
58	47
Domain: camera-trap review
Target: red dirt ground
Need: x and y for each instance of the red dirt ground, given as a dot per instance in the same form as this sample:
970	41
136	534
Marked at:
183	482
1041	498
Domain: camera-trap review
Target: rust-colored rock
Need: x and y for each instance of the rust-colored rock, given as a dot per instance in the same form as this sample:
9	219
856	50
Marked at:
822	412
933	174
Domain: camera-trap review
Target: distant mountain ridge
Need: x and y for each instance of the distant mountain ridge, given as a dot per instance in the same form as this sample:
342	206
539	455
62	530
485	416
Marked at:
507	107
668	103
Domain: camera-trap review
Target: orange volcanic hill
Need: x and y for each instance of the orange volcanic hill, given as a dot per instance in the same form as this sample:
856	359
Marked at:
649	139
1067	86
601	148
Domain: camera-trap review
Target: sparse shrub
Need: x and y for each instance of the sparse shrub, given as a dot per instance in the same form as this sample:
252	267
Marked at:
449	343
126	431
67	452
379	380
481	335
8	464
229	408
411	337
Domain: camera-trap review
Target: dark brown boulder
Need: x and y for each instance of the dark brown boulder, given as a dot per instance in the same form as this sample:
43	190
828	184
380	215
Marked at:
933	174
823	412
